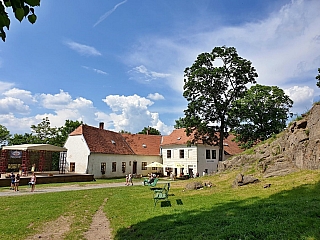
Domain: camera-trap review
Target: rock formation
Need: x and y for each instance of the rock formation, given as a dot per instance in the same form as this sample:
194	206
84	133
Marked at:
297	147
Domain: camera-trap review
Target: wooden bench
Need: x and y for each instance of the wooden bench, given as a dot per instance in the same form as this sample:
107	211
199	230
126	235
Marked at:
161	193
152	184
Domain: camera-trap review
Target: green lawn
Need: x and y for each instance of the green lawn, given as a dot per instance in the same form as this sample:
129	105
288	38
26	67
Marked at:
289	209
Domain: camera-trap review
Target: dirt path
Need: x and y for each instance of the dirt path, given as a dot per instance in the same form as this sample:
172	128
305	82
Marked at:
55	230
100	226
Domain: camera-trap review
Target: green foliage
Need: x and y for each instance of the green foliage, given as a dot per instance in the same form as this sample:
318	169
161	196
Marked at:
318	78
180	123
21	9
211	85
4	134
150	131
259	113
124	131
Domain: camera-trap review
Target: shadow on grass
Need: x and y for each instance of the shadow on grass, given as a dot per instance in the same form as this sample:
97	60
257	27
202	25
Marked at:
293	214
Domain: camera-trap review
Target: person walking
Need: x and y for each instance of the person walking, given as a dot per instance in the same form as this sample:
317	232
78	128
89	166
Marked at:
16	183
33	181
130	179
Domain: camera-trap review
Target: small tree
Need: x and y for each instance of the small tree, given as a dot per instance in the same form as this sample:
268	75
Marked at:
318	78
261	112
211	85
150	131
21	9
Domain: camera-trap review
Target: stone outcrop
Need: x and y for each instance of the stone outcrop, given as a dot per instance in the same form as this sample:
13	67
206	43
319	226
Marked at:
244	180
297	147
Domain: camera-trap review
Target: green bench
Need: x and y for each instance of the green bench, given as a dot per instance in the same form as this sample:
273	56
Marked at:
161	194
152	184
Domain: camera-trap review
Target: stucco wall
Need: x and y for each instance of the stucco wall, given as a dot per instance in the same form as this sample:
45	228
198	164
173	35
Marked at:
194	158
78	152
95	160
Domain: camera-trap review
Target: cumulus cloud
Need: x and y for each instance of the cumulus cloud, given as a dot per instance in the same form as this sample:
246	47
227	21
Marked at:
155	96
130	113
83	49
21	94
10	104
301	96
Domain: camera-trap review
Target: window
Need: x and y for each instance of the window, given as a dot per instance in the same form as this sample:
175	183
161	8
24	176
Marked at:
181	153
154	168
168	153
214	154
207	154
114	166
123	167
72	167
103	167
143	166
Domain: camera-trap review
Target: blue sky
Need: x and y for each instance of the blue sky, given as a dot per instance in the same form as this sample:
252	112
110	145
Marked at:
122	62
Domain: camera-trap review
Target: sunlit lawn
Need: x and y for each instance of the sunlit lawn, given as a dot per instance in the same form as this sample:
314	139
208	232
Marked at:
289	209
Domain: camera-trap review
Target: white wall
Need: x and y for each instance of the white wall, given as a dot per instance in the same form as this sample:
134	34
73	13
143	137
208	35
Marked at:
194	158
95	160
78	152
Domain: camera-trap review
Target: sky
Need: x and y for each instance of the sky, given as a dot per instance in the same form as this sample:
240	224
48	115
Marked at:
122	62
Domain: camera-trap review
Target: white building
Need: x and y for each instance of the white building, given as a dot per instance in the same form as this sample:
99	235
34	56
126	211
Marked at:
108	154
182	159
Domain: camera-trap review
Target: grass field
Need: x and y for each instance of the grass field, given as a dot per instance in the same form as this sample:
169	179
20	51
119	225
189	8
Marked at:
289	209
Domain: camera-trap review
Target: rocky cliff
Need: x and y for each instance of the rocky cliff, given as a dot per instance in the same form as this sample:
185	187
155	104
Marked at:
297	147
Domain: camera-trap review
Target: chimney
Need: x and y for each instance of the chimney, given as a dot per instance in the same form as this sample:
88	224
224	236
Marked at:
101	125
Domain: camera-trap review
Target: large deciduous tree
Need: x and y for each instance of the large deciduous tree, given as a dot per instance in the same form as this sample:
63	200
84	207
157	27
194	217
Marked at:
261	112
211	85
21	9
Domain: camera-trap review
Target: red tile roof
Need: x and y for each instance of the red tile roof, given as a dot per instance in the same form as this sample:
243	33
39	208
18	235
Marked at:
103	141
143	144
179	137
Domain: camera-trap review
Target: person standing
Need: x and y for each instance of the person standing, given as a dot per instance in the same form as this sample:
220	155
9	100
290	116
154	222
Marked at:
13	178
33	181
16	183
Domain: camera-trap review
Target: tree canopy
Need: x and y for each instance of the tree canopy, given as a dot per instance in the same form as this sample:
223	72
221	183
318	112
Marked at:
211	85
150	131
21	9
261	112
44	133
4	134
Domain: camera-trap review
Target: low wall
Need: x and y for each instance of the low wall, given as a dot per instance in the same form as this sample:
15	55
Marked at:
43	179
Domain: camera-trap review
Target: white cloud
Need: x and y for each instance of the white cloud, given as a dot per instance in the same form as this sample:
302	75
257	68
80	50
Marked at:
104	16
284	47
155	96
95	70
10	104
21	94
141	73
83	49
4	86
130	113
301	96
